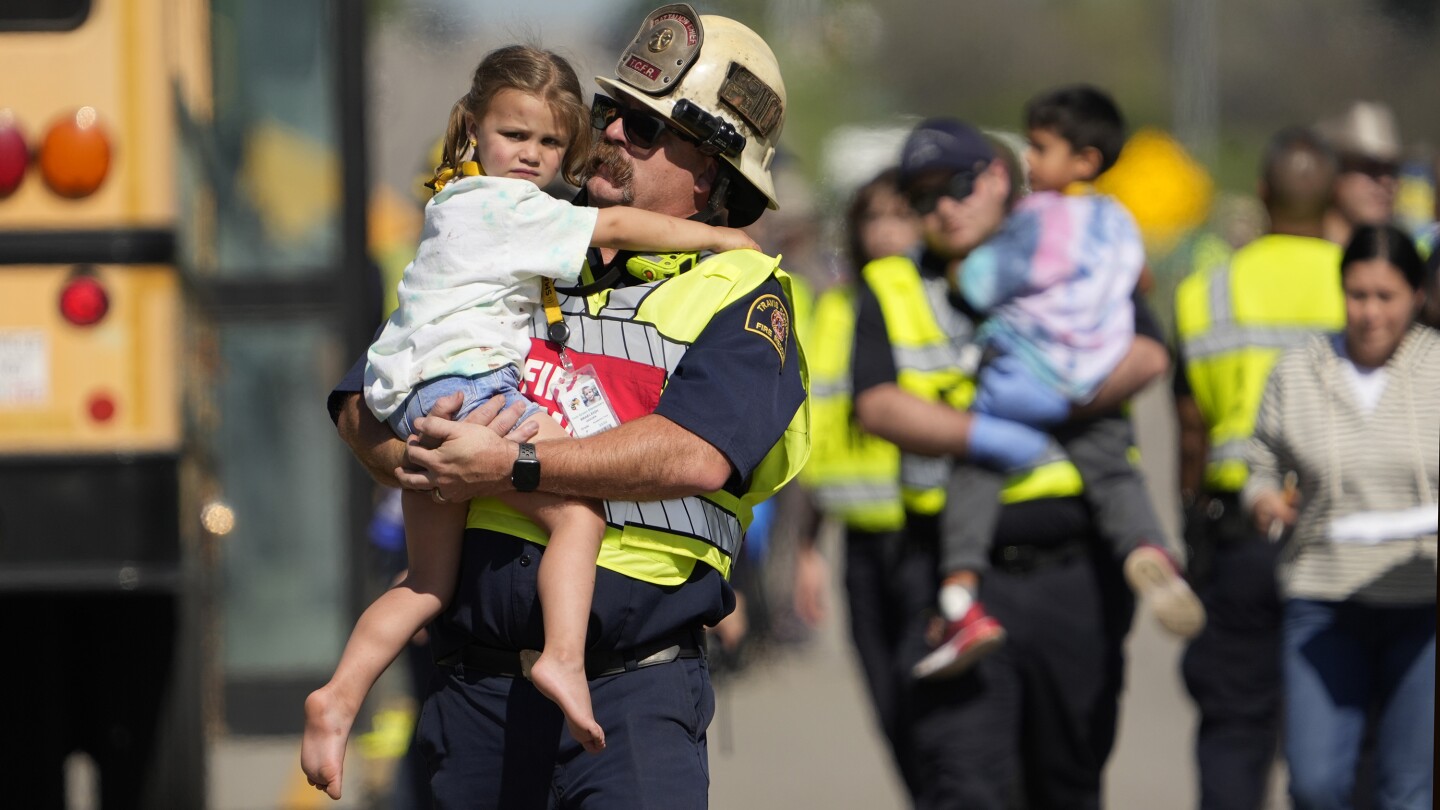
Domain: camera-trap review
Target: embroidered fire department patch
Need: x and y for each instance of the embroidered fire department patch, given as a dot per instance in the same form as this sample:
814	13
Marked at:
769	319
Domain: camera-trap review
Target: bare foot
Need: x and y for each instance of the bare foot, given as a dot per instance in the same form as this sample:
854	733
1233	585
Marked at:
564	683
322	749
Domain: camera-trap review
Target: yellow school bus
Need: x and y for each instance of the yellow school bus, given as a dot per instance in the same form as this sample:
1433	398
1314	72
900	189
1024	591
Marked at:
91	437
175	236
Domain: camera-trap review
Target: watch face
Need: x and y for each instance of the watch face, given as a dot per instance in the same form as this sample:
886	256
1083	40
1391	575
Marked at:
525	474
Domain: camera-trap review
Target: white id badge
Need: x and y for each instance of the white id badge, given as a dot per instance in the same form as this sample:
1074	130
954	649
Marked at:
583	400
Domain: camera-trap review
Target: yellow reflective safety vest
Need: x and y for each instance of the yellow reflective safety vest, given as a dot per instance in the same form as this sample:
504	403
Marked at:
635	337
929	364
1233	323
852	475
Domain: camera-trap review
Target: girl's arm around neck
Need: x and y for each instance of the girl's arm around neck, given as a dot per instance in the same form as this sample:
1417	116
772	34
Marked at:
635	229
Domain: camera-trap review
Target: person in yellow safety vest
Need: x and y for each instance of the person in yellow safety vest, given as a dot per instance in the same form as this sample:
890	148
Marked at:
695	357
1045	705
853	477
1233	322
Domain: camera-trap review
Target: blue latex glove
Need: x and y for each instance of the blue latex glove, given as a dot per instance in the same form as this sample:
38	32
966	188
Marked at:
1004	445
1008	391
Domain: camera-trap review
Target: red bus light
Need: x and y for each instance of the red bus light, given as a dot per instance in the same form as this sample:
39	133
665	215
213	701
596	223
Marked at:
84	301
102	407
14	154
75	155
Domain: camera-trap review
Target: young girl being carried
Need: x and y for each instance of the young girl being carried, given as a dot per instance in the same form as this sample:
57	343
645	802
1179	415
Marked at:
462	327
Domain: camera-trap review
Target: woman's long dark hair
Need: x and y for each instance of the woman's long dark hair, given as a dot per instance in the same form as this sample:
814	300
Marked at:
887	181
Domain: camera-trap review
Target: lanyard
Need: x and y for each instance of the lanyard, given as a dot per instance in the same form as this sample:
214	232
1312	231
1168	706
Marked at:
557	330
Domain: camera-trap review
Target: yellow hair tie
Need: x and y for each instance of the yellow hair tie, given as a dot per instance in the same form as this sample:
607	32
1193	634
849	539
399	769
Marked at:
444	175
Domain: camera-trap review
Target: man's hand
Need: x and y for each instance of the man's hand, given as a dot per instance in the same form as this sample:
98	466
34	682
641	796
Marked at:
812	586
464	460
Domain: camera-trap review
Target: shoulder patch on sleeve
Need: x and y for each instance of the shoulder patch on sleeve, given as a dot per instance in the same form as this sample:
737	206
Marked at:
769	319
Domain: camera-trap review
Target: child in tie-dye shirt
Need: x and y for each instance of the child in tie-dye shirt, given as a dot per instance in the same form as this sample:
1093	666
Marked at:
1055	284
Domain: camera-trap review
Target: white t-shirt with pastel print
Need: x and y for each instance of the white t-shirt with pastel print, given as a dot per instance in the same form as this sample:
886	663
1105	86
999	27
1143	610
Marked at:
466	301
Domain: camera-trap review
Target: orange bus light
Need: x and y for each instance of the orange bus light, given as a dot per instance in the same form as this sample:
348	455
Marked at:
75	155
14	154
84	301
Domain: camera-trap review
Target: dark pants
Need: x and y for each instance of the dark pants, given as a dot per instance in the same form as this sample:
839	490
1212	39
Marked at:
1035	720
496	742
882	580
1232	669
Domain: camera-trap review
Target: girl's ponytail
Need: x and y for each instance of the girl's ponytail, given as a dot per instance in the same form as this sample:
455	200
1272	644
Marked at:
455	145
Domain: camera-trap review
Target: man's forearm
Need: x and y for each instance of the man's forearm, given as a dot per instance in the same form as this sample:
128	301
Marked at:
1146	362
648	459
372	441
913	424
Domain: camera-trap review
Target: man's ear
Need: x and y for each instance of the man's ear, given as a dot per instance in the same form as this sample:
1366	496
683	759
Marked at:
997	177
705	179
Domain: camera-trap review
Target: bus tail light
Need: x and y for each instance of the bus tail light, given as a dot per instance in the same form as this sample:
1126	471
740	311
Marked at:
14	154
83	301
102	407
75	155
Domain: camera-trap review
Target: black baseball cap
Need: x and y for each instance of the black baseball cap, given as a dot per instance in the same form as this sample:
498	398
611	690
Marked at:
943	144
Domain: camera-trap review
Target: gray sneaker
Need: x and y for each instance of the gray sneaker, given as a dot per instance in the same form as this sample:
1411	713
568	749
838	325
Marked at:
1156	580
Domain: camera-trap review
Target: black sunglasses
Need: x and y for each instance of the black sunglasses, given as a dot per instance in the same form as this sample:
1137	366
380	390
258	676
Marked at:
1374	168
642	127
926	198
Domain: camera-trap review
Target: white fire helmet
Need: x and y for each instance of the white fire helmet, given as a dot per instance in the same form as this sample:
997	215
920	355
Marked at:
717	81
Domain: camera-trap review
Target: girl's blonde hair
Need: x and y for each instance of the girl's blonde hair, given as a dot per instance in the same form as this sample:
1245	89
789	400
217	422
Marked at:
540	73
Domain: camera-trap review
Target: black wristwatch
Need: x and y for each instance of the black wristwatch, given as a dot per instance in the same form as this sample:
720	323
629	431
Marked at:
525	475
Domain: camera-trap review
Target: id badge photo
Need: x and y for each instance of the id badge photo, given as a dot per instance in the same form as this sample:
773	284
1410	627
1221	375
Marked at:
583	400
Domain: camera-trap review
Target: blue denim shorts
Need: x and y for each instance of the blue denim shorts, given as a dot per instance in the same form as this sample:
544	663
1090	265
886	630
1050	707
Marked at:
477	390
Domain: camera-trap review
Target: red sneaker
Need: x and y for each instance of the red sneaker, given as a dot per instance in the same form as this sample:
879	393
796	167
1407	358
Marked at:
966	641
1155	578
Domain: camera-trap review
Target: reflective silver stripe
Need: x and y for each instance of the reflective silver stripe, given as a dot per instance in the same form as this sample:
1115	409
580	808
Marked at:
1222	310
607	333
696	517
848	497
926	358
955	325
1233	450
1232	338
825	389
924	472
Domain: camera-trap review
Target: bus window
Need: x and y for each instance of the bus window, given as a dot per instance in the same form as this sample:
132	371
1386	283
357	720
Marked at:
43	15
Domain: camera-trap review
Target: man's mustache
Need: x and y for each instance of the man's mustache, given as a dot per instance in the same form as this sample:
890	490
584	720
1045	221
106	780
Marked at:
608	159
